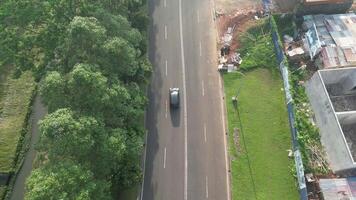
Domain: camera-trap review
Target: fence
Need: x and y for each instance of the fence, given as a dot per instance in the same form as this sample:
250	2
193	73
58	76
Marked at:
290	107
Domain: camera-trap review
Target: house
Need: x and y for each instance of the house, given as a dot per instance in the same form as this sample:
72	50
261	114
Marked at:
323	6
332	95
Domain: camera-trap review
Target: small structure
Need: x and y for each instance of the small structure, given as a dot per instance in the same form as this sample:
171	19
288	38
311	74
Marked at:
323	6
331	39
338	189
332	95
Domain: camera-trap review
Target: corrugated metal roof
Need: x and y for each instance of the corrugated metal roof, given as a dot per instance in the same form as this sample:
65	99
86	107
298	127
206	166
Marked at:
335	31
338	189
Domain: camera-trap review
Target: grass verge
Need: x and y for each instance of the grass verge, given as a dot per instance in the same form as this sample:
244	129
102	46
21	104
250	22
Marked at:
260	170
15	101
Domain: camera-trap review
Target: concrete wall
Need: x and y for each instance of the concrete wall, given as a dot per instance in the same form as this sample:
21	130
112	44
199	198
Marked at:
332	76
330	131
347	117
327	8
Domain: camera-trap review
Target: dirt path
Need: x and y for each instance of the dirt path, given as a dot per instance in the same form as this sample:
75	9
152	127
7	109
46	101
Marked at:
38	112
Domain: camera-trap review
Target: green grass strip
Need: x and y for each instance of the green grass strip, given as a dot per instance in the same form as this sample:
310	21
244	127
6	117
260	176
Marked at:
14	103
260	165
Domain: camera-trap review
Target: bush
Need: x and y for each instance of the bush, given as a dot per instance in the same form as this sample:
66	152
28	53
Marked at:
256	48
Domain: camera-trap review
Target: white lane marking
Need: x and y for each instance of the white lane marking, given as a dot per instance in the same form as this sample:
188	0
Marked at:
166	67
165	3
144	165
164	157
166	109
206	187
205	132
185	103
198	17
225	137
203	89
200	49
213	10
165	32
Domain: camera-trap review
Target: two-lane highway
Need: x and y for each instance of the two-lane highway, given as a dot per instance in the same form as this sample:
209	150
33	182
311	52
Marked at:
186	149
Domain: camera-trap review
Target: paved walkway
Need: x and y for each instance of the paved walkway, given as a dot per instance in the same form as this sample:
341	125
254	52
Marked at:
38	112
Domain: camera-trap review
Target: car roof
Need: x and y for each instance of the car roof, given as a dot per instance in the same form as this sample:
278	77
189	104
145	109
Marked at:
174	97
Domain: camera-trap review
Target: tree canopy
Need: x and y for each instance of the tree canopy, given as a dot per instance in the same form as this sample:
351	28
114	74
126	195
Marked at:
90	58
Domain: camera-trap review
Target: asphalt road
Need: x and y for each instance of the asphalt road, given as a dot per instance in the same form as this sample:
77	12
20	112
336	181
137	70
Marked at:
185	150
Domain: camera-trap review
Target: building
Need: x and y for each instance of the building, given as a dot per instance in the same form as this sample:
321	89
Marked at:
332	95
331	39
341	188
308	7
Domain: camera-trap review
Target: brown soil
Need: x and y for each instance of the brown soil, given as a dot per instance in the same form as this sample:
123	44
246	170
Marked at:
241	21
231	6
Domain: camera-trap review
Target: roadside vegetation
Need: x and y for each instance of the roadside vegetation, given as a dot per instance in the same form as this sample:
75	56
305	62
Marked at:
15	100
259	134
90	58
313	154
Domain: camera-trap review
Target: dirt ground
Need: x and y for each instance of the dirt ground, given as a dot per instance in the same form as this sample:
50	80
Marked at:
240	14
231	6
282	6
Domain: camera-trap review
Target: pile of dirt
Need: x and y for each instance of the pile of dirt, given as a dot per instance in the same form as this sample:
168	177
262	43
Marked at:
232	6
239	22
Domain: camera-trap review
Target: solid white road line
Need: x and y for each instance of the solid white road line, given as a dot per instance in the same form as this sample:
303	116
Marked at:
165	3
203	89
185	103
225	138
206	187
166	67
166	109
144	165
165	32
164	157
205	132
200	49
198	17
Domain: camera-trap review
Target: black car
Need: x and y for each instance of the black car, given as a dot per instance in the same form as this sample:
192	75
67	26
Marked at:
174	97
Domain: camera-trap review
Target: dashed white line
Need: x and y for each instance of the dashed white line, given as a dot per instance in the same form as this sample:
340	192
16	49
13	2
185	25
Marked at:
164	158
166	109
166	67
198	17
205	132
200	49
185	103
165	32
206	187
203	88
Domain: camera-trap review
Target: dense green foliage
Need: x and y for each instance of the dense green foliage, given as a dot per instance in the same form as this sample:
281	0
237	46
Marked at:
313	154
256	48
92	62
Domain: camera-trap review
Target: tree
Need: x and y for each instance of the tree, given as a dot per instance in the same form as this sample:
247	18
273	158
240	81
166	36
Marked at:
91	59
86	88
65	180
64	135
53	91
85	36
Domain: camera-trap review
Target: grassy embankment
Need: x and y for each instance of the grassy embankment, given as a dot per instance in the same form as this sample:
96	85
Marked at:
15	100
260	165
